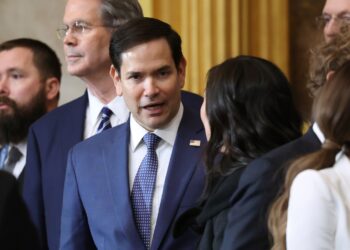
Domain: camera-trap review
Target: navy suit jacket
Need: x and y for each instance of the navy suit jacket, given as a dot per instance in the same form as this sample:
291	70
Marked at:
97	210
257	189
49	140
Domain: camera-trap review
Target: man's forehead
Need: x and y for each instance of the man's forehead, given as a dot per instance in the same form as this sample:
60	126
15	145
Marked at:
16	56
337	7
82	10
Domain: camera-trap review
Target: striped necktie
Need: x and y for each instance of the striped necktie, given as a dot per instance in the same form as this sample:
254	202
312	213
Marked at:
143	188
105	120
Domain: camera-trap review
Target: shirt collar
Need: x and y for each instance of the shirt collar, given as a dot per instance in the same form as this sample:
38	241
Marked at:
167	134
318	132
22	147
95	106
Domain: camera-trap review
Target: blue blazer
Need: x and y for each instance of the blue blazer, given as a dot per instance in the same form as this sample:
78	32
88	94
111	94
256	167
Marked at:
49	140
97	210
258	187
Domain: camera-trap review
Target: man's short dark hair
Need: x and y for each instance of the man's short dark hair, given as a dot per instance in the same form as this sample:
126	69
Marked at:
44	58
143	30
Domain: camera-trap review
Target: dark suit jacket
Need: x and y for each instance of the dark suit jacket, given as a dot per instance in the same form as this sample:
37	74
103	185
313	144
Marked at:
97	210
16	230
210	218
258	187
49	141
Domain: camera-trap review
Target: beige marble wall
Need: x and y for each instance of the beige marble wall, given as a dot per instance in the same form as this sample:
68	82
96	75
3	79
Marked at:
38	19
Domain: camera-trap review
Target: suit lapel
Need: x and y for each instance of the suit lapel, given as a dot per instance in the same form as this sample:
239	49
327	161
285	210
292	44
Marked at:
184	160
73	131
117	177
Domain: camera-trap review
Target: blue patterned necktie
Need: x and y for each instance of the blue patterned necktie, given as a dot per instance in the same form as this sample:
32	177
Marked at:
3	155
105	120
143	188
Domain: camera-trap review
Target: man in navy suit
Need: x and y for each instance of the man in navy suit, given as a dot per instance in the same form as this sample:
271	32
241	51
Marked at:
86	32
86	35
261	181
103	173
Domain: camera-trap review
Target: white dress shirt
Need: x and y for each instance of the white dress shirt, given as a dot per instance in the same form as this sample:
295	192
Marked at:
319	208
138	150
19	166
93	113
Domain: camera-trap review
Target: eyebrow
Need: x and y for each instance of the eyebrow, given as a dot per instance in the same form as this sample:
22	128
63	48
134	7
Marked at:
339	14
163	68
14	69
79	21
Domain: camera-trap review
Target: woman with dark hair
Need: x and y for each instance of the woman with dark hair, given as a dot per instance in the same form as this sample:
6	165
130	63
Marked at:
247	111
313	211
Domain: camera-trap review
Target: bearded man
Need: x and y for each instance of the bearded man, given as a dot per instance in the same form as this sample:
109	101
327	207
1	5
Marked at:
30	74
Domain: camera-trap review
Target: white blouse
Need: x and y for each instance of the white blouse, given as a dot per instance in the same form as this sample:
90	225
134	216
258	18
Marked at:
319	208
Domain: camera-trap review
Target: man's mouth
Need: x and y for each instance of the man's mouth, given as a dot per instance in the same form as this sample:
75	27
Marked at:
154	108
73	57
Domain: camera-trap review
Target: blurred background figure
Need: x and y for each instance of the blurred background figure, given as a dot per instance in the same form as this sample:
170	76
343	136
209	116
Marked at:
30	75
248	111
335	18
313	212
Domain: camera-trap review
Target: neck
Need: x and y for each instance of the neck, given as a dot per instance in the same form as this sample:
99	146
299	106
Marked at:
101	86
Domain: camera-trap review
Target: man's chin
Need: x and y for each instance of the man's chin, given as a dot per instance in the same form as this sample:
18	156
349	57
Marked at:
76	70
6	114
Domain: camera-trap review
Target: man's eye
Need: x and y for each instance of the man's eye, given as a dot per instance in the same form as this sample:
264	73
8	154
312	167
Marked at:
326	19
135	77
346	18
79	27
16	76
163	73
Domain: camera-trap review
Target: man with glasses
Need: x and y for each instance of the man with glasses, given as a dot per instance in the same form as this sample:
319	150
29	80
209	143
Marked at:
335	16
86	32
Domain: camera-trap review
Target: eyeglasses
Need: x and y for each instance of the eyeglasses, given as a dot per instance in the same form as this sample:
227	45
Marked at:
77	28
324	20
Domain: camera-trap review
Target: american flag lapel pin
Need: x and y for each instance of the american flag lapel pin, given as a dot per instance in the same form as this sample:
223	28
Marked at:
195	143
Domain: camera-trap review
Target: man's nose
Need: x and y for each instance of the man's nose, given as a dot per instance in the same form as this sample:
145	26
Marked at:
331	29
150	87
4	90
69	39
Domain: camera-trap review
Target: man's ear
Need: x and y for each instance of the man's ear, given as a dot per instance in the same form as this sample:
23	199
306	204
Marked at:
52	90
116	80
330	75
182	71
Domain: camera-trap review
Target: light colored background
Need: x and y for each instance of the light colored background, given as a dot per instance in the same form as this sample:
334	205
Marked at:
212	30
39	19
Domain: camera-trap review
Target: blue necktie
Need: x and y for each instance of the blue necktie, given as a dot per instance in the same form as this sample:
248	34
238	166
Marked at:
143	188
105	120
3	155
